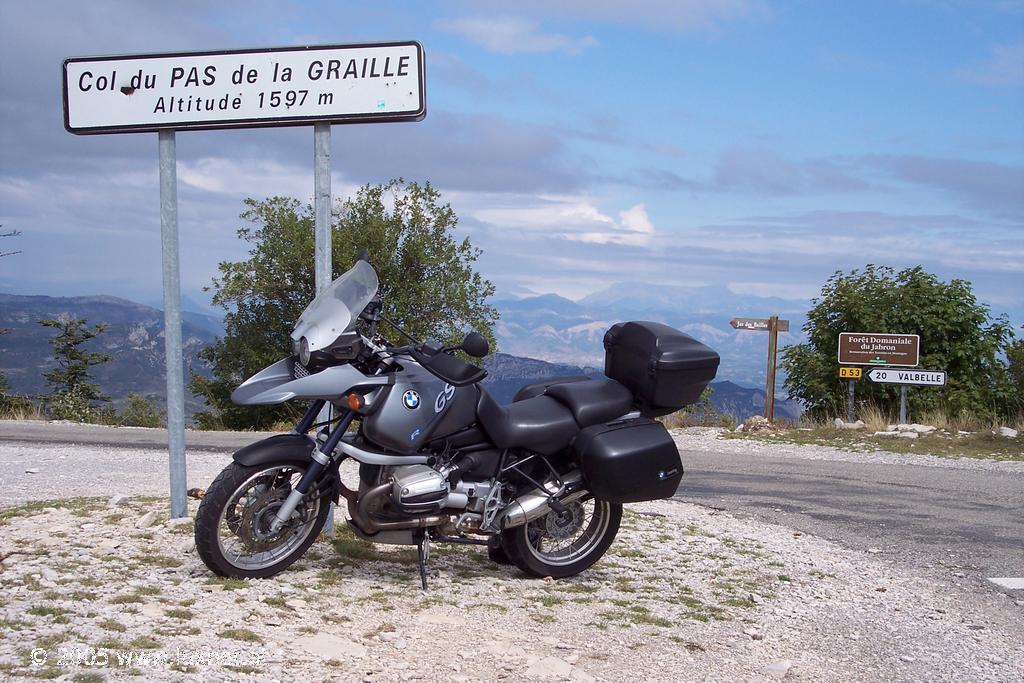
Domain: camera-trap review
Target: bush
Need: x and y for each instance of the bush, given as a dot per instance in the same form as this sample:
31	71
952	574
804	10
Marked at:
70	405
142	411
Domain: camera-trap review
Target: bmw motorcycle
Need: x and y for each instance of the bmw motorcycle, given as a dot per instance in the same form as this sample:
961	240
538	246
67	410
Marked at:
540	481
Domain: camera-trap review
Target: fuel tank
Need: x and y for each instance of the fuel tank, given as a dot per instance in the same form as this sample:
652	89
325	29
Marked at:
418	408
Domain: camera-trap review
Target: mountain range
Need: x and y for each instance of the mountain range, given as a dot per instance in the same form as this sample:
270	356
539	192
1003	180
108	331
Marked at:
555	329
540	337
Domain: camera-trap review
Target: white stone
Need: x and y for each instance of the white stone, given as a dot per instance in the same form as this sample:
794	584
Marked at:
178	521
581	676
145	521
907	435
295	603
327	646
840	424
874	551
152	609
907	658
48	574
888	433
439	619
107	546
32	470
1008	432
117	500
549	667
922	429
779	669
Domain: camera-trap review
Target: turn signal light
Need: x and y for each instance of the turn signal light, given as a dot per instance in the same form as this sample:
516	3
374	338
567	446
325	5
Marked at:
355	402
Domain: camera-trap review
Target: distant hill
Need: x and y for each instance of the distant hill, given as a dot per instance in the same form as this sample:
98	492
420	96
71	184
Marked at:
558	330
506	374
135	340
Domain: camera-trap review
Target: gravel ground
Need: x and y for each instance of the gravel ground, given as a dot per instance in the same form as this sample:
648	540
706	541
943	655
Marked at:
29	471
709	439
685	593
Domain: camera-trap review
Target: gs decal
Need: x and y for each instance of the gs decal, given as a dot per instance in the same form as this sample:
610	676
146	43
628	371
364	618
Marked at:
443	398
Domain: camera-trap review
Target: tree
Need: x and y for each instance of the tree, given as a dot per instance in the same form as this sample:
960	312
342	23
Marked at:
427	283
1015	370
957	335
73	392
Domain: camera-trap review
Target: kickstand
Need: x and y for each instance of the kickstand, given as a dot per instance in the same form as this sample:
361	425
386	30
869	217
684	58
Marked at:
423	554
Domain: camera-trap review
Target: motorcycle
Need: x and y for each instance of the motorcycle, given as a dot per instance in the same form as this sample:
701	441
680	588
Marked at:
540	481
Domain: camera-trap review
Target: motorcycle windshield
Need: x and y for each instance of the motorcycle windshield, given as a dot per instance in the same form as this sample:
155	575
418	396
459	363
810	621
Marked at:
335	310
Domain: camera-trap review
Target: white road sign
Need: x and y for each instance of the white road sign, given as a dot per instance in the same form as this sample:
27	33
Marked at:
243	88
932	378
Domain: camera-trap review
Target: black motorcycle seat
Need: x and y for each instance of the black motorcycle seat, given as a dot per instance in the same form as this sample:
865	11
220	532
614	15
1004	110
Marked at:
594	401
539	424
538	388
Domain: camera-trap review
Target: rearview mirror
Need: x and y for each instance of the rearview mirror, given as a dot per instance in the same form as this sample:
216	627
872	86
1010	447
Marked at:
475	345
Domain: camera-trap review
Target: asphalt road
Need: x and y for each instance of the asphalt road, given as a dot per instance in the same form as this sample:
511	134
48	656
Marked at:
963	521
968	522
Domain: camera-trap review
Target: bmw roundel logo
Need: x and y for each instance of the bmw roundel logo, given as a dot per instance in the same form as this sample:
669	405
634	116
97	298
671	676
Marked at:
411	399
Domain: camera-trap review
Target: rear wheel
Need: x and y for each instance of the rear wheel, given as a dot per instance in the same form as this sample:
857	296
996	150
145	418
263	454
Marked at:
233	535
560	545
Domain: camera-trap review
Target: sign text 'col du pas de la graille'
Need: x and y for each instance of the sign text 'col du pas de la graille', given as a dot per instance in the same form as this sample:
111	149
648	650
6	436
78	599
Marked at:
240	88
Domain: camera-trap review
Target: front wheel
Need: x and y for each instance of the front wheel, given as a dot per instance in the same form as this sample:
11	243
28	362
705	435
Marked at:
233	535
560	545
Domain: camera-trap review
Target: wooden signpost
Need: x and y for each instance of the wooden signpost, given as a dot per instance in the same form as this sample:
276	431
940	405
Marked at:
772	325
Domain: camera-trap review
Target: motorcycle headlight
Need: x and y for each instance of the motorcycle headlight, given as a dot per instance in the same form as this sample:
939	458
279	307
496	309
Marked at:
304	351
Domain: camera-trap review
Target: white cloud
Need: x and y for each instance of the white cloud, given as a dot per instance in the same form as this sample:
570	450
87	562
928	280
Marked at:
1004	66
672	15
512	35
575	219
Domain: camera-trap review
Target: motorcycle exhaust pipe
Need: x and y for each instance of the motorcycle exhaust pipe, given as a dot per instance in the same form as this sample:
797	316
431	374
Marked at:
361	515
537	503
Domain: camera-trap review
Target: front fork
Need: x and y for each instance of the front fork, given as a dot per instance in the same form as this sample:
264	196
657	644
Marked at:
321	458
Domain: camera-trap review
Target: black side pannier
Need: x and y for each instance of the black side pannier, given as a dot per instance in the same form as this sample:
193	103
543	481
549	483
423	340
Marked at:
628	461
663	367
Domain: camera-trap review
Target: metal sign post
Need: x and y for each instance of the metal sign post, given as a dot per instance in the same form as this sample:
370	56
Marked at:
172	321
322	233
851	374
288	86
907	377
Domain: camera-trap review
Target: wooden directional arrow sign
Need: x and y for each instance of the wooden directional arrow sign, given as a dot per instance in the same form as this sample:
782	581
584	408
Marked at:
758	324
931	378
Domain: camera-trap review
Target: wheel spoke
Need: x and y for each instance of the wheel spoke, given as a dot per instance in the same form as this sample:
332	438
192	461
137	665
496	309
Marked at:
243	531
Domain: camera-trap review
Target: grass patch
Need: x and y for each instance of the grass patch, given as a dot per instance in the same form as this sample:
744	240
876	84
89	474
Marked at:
228	582
46	611
82	507
179	613
159	561
125	599
242	634
145	643
983	445
351	548
112	625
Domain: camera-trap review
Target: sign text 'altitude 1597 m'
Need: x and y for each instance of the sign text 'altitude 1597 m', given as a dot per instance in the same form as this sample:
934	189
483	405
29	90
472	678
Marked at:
244	88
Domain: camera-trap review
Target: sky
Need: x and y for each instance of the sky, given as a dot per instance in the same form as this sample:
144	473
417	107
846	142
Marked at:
750	144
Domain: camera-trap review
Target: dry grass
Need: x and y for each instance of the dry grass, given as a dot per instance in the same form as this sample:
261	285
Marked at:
30	412
875	419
